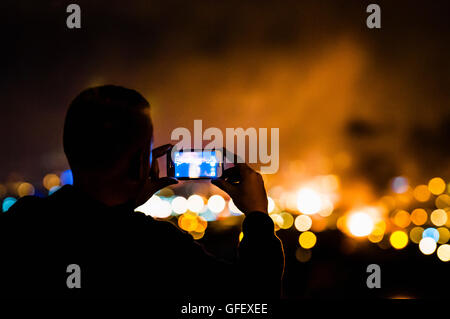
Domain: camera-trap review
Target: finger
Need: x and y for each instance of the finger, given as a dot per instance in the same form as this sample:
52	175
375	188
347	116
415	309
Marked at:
224	185
230	172
243	169
160	150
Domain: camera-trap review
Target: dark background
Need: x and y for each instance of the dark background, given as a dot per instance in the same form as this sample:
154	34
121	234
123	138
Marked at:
311	68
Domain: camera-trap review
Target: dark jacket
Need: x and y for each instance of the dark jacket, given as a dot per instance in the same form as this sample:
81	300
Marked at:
122	253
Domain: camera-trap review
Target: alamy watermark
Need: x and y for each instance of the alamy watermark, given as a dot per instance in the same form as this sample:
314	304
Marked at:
74	279
258	146
374	279
73	20
373	21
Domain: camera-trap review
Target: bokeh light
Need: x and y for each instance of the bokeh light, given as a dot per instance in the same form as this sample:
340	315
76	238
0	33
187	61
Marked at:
277	220
51	180
179	205
419	216
7	203
150	206
270	204
377	233
165	192
400	184
202	224
25	189
444	235
327	208
438	217
398	239
210	216
216	204
195	203
442	201
188	221
287	220
66	177
53	190
431	233
436	185
416	234
421	193
303	255
443	252
197	235
308	201
156	207
375	238
402	218
164	209
360	224
303	223
427	245
307	240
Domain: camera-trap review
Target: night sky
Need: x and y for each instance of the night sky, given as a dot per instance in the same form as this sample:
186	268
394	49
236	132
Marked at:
311	68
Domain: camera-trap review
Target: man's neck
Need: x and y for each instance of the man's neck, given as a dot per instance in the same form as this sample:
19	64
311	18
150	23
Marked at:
109	195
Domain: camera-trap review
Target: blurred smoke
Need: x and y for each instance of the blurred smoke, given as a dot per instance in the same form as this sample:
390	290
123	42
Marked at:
334	88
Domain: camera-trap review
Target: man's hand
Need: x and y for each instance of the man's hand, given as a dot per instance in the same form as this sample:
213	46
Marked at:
245	187
154	183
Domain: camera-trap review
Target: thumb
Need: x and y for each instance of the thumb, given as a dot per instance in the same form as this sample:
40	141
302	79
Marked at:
224	185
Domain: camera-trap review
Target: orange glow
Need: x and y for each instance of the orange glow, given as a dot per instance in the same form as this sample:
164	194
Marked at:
188	221
25	189
377	233
419	216
421	193
436	185
318	224
416	234
442	201
51	180
402	219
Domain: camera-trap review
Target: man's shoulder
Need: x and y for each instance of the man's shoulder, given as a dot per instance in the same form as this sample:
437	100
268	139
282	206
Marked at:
25	206
163	226
164	233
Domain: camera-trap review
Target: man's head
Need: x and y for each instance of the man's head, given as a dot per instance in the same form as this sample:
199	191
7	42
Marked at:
107	137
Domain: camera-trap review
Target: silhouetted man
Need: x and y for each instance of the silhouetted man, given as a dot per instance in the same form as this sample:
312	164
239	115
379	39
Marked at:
122	253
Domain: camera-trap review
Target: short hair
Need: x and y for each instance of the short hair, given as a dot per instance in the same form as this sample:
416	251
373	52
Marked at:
102	124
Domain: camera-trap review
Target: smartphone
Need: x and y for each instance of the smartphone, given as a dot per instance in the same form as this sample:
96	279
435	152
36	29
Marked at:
195	164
